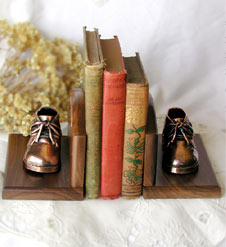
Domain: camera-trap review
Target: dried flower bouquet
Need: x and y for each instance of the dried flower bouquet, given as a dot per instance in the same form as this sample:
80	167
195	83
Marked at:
36	71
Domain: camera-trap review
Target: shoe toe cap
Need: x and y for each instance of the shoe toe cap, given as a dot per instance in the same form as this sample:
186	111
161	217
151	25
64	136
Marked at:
42	154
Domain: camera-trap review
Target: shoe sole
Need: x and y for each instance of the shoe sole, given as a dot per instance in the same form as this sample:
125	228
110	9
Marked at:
180	170
41	169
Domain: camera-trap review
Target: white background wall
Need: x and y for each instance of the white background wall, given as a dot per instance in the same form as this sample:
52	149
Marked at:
181	43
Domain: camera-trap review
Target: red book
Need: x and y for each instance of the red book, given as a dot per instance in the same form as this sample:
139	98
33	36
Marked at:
113	115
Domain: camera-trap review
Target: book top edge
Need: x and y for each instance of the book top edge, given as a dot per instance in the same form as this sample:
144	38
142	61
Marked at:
92	49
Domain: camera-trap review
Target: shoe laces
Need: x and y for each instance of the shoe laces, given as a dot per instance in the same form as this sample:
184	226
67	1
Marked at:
46	129
180	130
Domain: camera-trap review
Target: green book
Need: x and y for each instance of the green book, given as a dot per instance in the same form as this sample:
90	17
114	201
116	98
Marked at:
93	87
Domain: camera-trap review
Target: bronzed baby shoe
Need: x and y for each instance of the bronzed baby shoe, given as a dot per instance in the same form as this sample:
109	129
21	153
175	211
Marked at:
43	149
179	152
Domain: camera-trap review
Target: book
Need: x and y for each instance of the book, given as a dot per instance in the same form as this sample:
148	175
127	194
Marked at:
113	115
137	91
93	87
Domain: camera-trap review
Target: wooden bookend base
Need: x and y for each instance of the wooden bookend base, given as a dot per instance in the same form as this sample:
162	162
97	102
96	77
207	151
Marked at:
202	184
22	184
68	182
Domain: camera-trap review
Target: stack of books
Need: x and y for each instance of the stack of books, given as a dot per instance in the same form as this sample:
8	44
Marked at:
116	105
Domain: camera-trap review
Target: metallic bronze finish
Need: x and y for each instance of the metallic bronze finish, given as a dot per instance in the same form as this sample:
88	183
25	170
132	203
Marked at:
43	149
179	152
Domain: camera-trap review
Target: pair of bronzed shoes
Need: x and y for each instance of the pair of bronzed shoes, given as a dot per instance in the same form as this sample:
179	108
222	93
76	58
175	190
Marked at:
43	149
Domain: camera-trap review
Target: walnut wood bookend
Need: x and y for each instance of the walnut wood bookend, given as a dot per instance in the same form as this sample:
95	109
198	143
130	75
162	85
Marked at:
77	135
150	146
20	183
68	182
202	184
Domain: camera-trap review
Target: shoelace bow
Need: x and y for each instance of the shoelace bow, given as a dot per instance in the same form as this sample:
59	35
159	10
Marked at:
184	129
53	131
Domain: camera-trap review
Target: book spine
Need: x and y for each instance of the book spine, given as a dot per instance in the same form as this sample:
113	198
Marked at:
93	86
134	139
114	93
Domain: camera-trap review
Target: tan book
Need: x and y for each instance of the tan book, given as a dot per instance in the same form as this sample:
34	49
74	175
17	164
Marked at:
137	90
93	87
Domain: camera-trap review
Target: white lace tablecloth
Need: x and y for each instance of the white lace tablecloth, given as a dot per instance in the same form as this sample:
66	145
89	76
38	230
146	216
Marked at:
181	45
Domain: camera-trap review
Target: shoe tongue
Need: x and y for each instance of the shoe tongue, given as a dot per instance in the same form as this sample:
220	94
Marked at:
45	117
179	120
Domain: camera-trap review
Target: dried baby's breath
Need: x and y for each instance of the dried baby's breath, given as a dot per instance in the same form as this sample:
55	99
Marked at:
36	72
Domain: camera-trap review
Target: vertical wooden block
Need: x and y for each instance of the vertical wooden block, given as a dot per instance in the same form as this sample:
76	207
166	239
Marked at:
77	134
150	146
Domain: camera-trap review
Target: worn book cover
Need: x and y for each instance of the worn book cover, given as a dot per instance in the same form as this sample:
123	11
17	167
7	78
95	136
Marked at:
93	87
137	90
114	93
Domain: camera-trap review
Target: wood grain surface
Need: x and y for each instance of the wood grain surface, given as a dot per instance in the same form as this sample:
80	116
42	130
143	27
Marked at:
202	184
150	146
77	134
20	183
76	120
